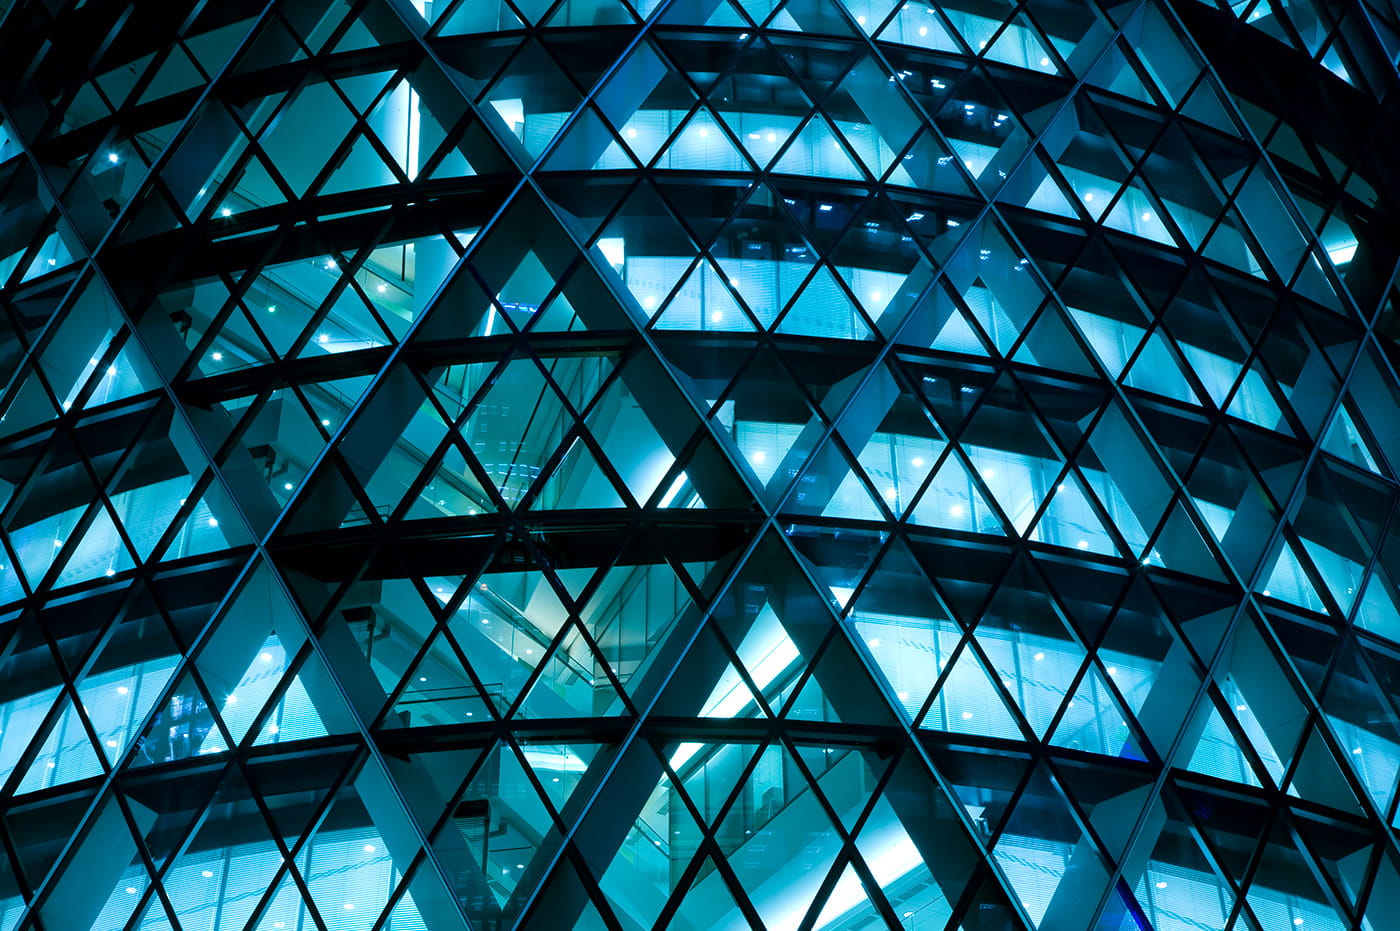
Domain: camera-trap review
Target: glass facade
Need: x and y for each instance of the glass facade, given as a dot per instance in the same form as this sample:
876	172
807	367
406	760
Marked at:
803	465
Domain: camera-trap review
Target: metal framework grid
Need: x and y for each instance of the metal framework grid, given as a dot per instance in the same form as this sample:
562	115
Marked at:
690	464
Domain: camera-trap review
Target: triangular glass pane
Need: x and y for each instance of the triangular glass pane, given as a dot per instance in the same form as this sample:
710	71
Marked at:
577	482
535	130
702	145
361	168
774	800
1019	44
652	856
66	754
1070	520
571	682
560	768
119	699
100	552
708	903
817	152
969	702
1344	440
703	302
1093	721
1217	752
953	500
438	691
823	309
516	427
1290	582
1053	868
453	491
300	157
847	902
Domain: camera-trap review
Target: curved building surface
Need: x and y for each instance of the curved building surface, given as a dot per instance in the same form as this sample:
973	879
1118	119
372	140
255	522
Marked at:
699	464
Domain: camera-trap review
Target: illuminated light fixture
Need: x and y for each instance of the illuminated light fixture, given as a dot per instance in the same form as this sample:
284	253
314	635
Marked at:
1342	255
